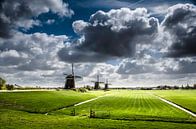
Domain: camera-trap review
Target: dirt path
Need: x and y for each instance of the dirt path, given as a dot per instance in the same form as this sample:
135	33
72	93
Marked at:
80	103
175	105
89	100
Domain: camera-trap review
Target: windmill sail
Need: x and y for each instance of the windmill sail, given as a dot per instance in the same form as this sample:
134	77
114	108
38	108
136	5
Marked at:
70	79
97	83
72	69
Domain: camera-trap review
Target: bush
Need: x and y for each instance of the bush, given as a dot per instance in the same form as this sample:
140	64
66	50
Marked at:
82	89
74	89
89	87
2	83
9	87
57	89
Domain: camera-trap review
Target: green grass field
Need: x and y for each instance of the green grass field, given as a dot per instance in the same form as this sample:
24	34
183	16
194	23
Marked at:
130	105
43	101
117	109
185	98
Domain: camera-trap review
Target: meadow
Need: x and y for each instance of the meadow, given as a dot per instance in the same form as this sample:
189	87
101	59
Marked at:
129	105
115	109
184	98
43	101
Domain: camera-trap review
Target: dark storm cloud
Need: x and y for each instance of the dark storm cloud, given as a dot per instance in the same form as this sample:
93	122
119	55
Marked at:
131	67
187	66
19	13
177	65
10	12
109	35
181	24
11	57
77	55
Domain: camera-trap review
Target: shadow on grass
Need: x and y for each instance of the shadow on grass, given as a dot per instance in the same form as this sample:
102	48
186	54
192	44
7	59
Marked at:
150	118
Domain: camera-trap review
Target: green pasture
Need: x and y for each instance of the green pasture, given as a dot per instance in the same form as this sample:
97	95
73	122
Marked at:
43	101
11	119
130	104
184	98
121	109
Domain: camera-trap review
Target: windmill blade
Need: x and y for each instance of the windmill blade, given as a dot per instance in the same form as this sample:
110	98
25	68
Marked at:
69	78
98	82
45	75
77	76
72	68
17	86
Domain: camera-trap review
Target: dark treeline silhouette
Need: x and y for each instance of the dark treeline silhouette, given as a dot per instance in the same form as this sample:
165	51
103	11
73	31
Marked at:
2	83
4	86
9	86
161	87
165	87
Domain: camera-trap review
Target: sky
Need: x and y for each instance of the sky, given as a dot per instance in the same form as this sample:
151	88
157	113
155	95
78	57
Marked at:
132	43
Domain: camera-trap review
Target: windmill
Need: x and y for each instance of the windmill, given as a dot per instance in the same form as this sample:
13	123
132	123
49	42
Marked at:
97	86
70	79
107	84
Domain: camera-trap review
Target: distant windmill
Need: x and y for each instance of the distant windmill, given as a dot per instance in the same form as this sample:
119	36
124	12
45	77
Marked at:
97	86
107	84
70	79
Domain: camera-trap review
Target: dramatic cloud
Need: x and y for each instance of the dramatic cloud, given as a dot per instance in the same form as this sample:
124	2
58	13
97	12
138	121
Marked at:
180	22
180	66
129	47
166	66
22	13
109	35
31	51
136	66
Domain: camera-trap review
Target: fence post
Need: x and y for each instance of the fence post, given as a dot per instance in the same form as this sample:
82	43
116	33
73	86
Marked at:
73	112
92	114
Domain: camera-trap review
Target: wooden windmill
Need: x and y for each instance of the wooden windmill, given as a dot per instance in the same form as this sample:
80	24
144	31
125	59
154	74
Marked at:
97	83
70	79
107	84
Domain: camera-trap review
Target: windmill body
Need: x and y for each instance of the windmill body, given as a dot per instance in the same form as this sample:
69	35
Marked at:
70	82
97	83
70	79
97	86
107	84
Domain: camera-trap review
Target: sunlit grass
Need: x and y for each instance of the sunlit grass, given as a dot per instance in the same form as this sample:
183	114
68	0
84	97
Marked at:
10	119
123	109
129	105
185	98
43	101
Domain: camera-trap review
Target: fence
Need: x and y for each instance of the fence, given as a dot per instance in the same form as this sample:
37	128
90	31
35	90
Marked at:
93	113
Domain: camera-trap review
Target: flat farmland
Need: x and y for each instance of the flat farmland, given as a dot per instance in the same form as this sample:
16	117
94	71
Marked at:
123	109
184	98
132	105
42	101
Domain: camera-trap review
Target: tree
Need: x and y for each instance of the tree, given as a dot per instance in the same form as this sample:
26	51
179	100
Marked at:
194	86
2	83
9	87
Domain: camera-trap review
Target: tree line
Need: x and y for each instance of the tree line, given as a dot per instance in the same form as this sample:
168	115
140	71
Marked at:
4	86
